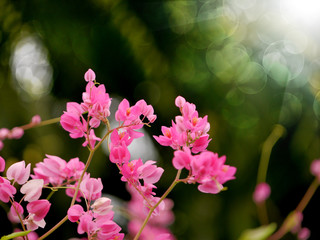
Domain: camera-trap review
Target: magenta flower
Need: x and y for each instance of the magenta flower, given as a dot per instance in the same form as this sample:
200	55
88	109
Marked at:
315	168
39	209
150	173
16	133
92	140
6	190
180	101
12	214
86	224
126	113
91	188
119	154
32	189
261	192
182	159
102	206
19	172
2	164
75	212
90	75
36	119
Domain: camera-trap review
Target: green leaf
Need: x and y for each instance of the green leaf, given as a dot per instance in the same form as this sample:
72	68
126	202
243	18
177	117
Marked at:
260	233
14	235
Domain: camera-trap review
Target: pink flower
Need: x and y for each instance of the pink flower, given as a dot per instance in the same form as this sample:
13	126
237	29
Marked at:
149	172
74	168
304	234
53	168
126	113
86	224
75	212
180	101
39	208
119	154
4	133
73	122
16	133
261	192
36	119
315	168
32	189
102	206
16	210
33	224
6	190
2	164
182	159
90	75
91	188
92	140
19	172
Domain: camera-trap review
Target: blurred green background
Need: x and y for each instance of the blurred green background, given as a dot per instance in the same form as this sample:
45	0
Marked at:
246	64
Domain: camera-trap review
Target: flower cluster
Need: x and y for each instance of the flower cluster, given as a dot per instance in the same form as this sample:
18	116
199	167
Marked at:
97	222
188	135
36	208
157	227
150	215
96	103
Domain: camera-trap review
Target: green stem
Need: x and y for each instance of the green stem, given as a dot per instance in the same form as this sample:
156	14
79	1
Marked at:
308	195
267	146
173	184
42	123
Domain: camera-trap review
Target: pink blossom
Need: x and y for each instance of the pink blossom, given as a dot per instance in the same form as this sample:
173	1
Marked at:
180	101
315	168
102	206
182	159
209	171
304	234
51	169
16	210
16	133
109	230
92	140
32	189
86	224
75	212
126	113
36	119
2	164
4	133
39	208
19	172
261	192
74	123
91	188
119	154
74	168
33	224
149	172
90	75
6	190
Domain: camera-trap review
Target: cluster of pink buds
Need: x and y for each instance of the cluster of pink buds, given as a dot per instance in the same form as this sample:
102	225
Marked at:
17	132
188	136
36	208
97	222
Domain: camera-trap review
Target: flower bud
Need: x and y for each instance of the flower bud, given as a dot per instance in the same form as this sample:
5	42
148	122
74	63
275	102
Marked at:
261	193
